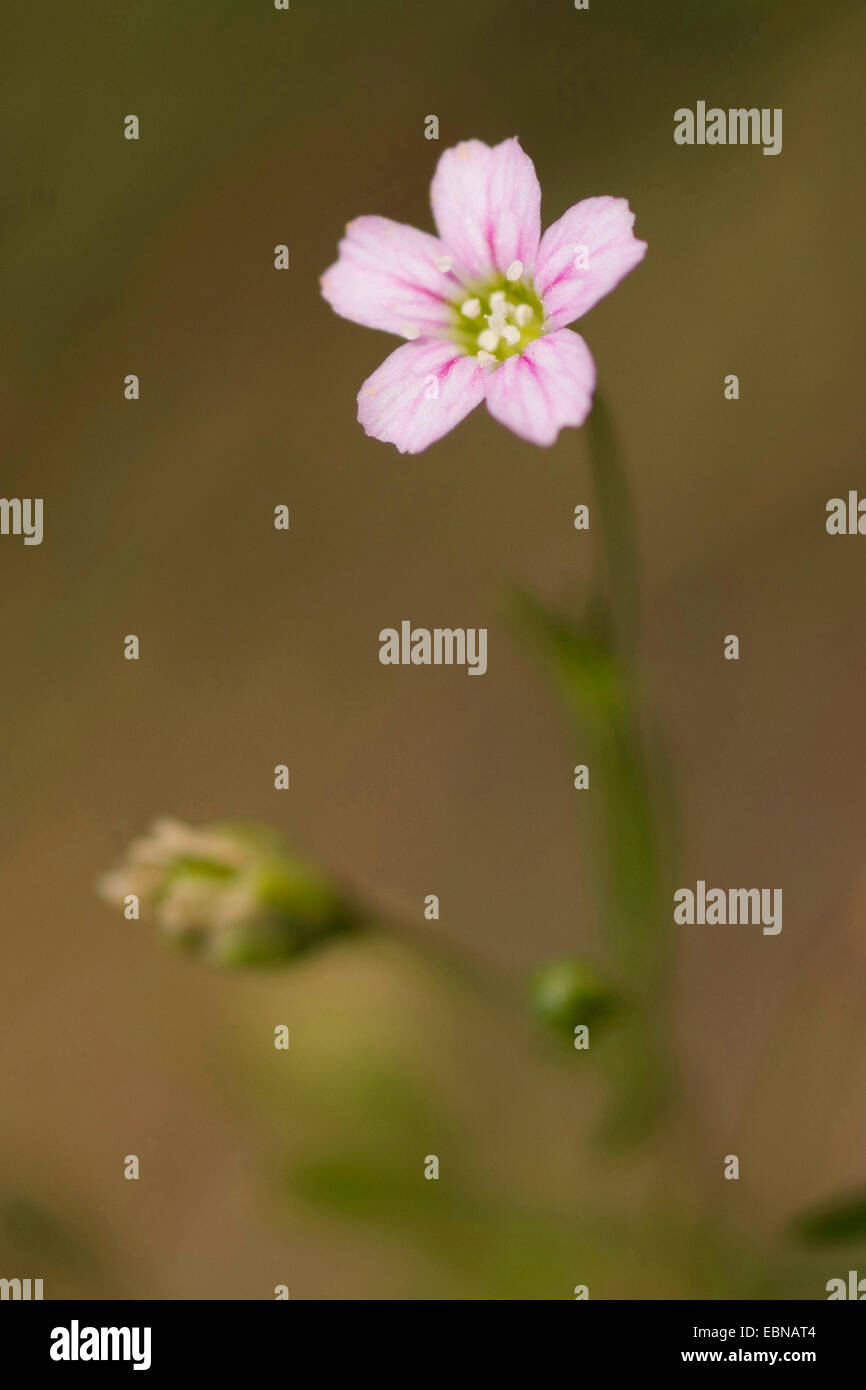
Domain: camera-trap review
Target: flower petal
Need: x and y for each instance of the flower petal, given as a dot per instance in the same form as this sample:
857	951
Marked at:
548	386
487	206
420	393
597	231
387	277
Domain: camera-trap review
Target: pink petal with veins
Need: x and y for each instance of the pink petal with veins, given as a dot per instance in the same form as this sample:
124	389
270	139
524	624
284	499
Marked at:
598	230
387	277
487	206
420	393
548	386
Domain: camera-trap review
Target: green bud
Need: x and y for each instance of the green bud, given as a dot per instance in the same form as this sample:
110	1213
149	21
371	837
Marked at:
569	992
229	893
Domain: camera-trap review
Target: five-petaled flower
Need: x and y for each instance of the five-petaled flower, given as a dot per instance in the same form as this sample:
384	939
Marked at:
485	304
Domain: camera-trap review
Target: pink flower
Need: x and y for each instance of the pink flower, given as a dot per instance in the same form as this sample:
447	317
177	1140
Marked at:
485	304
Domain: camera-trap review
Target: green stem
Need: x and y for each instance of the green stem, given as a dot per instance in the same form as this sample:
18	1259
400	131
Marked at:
617	565
638	933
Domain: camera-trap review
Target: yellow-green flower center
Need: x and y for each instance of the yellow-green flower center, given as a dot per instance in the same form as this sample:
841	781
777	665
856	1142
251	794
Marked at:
498	319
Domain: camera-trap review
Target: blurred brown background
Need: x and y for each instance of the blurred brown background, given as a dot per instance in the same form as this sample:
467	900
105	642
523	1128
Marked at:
260	647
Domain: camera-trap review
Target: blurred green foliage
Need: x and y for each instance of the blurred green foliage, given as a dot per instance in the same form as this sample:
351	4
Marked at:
42	1241
840	1221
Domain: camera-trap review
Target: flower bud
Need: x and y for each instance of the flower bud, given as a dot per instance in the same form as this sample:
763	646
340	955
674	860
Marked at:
569	992
229	893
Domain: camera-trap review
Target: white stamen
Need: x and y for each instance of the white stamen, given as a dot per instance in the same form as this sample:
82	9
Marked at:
497	322
444	264
514	271
471	308
522	314
497	300
410	331
488	340
511	335
485	359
